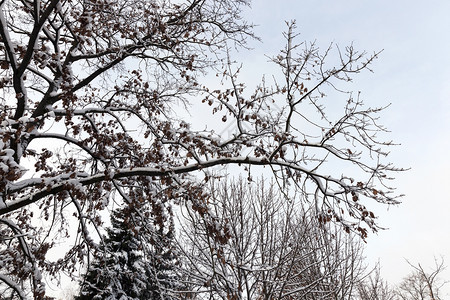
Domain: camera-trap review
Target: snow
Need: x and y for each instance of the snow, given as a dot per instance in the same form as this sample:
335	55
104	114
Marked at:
4	167
7	123
8	153
51	114
14	285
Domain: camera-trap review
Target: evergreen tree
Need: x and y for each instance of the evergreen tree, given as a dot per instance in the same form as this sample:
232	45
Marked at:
137	261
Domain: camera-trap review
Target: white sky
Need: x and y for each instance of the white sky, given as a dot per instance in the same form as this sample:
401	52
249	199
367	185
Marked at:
412	73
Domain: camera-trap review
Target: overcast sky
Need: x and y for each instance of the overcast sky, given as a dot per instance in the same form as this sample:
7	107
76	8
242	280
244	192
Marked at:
412	73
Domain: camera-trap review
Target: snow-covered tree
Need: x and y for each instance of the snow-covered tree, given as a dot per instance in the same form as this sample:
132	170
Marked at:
374	287
93	111
137	260
271	248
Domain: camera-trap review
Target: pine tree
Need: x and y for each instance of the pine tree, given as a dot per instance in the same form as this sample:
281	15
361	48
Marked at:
137	261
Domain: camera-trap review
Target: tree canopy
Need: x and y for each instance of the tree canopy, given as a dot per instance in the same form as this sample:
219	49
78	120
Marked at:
275	249
93	113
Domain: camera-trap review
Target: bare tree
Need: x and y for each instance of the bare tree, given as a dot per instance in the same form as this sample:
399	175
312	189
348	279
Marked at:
90	116
422	285
375	288
271	248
